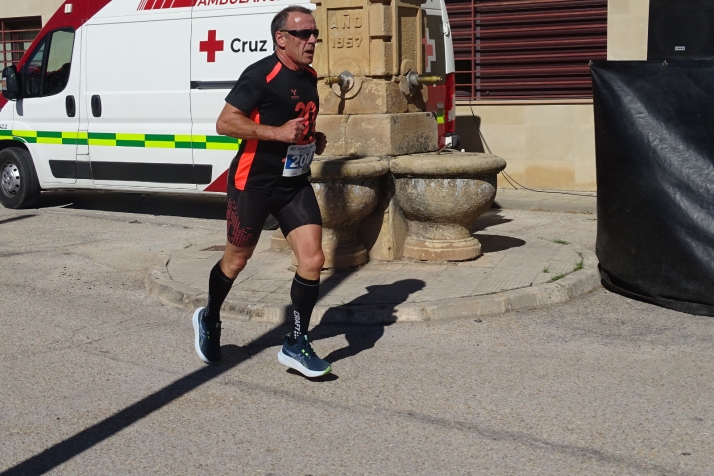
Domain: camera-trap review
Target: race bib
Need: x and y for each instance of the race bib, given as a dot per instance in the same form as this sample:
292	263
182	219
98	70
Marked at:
298	159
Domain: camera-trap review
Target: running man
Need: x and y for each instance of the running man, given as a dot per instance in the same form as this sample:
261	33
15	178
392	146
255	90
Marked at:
273	108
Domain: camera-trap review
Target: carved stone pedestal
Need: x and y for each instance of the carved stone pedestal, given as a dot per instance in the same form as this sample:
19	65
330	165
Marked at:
379	134
441	196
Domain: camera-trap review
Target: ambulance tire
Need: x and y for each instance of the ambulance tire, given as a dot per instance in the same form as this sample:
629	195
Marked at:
19	187
271	223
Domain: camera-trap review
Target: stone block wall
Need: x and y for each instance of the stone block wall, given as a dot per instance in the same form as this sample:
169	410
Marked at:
627	22
548	146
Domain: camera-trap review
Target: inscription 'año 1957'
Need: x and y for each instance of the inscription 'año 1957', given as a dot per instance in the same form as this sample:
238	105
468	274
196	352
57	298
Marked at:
341	34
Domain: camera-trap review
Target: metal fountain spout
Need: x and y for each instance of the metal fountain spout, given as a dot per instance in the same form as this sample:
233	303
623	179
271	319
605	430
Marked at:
414	79
345	80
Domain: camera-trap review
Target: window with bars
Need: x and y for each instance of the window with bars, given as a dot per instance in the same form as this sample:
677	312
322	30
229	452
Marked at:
526	49
16	35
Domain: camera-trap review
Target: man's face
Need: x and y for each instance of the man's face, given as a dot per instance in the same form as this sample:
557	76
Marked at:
299	51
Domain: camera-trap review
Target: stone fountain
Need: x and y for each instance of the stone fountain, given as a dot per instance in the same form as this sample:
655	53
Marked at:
385	191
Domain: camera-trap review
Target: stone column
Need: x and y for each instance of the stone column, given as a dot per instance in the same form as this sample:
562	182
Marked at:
378	42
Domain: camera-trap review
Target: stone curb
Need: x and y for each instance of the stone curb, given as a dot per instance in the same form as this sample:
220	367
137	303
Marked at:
161	287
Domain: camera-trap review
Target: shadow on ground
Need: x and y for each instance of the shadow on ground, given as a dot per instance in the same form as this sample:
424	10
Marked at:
74	445
364	337
359	338
493	243
489	219
189	206
16	218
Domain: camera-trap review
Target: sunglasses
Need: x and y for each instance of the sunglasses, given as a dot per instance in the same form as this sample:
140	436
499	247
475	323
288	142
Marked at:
303	34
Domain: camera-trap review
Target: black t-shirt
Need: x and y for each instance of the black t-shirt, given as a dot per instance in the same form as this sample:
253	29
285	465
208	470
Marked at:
272	94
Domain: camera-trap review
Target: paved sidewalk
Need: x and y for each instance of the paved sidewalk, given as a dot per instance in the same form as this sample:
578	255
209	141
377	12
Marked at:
518	270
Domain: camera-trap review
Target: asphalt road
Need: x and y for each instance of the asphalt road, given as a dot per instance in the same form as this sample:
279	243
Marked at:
95	378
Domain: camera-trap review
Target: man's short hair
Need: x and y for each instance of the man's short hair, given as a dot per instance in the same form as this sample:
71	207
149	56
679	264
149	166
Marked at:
280	21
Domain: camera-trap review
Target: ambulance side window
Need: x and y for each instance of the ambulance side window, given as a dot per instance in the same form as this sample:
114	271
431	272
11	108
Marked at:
47	72
32	75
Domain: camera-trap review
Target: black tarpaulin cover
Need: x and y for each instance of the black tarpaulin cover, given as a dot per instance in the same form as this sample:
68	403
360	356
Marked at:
654	142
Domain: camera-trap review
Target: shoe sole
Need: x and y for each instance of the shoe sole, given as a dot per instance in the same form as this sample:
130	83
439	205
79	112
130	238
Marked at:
294	364
194	320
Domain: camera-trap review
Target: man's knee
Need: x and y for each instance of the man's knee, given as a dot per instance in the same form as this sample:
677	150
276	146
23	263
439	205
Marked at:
313	261
232	265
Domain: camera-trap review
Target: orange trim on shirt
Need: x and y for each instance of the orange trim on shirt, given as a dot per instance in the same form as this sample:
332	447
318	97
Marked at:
246	159
274	72
311	71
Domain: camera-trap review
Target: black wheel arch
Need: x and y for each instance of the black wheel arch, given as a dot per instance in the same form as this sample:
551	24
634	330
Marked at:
4	144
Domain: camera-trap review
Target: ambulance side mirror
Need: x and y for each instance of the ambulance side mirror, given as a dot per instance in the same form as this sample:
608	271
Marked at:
10	83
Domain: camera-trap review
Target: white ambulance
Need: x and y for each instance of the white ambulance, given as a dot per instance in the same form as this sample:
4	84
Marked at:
124	94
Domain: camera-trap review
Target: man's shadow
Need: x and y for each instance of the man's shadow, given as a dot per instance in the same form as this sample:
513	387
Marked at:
381	301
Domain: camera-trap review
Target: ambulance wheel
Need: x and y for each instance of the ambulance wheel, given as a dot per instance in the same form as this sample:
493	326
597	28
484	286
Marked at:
271	223
19	187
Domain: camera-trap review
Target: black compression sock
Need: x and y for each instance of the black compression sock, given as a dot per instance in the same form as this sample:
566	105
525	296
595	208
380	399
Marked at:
304	296
218	287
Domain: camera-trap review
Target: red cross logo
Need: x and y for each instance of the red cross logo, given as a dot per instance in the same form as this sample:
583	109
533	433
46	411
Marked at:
430	50
211	46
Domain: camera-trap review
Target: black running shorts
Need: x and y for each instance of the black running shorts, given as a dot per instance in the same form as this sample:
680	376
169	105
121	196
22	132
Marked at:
248	210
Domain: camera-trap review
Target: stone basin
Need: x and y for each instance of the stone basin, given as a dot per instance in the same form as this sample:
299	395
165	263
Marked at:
441	195
347	191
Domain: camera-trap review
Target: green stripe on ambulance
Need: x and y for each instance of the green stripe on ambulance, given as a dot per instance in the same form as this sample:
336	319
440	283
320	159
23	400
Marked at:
106	139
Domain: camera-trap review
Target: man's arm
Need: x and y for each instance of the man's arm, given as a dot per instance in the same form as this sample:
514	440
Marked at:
235	123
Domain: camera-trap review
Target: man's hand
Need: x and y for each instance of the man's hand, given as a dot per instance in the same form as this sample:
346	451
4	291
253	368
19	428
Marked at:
291	131
320	143
235	123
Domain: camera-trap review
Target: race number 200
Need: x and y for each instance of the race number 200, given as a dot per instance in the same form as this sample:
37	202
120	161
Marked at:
298	159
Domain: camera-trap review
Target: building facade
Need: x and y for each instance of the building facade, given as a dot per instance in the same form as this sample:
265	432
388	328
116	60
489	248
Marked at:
543	125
